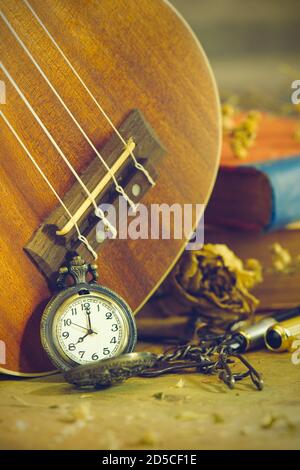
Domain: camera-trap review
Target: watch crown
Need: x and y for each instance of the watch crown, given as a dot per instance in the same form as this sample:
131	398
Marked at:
77	261
78	269
63	269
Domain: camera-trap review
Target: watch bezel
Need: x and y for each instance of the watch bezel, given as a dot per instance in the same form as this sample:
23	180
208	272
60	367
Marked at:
51	346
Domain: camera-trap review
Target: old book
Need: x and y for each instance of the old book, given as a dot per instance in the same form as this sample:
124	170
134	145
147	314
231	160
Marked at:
261	192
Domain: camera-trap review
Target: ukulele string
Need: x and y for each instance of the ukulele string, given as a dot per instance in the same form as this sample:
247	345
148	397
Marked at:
118	187
137	165
98	212
81	238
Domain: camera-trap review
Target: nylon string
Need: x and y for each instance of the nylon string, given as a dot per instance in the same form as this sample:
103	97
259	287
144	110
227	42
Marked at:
137	165
98	212
81	238
118	187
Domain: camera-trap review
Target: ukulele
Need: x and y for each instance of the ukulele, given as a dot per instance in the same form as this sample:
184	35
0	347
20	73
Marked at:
101	100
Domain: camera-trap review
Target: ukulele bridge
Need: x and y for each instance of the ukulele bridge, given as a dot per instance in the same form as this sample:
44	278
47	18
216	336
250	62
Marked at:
99	189
57	234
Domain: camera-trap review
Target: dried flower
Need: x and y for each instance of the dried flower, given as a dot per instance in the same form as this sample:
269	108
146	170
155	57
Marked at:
180	383
215	277
268	421
281	258
228	112
81	412
244	135
149	438
21	425
187	415
218	419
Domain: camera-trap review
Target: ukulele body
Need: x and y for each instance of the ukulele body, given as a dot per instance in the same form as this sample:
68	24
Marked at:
133	54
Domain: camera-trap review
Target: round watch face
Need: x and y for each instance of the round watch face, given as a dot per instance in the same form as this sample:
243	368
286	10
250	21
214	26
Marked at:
89	329
86	326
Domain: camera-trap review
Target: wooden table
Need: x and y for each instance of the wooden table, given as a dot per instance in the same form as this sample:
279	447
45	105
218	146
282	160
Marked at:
171	412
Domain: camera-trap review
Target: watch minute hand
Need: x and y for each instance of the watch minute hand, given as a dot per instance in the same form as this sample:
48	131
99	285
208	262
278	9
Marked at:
89	320
80	326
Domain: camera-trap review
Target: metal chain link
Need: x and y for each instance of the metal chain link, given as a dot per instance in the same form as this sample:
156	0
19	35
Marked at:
210	356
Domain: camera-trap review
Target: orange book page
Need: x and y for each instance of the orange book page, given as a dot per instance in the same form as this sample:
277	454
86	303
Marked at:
275	140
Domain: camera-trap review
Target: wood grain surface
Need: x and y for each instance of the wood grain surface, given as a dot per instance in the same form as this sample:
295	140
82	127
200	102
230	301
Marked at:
181	411
133	54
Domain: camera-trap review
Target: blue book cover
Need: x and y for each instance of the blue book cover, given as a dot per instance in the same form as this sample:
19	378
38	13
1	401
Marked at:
284	179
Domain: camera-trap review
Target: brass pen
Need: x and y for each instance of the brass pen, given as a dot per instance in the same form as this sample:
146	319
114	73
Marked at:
280	337
253	336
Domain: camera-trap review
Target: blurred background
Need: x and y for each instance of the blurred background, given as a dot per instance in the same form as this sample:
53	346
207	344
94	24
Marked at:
253	46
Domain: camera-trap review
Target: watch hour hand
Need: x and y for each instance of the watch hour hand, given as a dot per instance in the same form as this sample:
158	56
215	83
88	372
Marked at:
80	340
90	332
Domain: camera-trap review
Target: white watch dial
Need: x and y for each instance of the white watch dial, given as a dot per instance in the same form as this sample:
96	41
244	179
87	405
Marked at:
90	328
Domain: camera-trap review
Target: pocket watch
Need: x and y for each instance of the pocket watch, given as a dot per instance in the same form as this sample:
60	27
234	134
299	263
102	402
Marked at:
85	322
